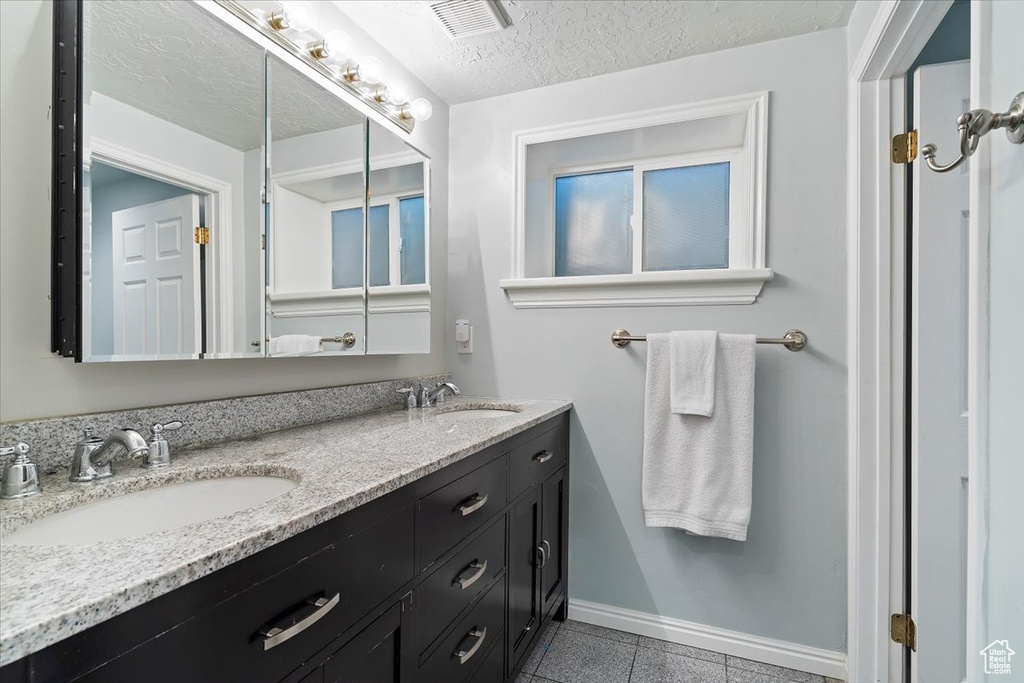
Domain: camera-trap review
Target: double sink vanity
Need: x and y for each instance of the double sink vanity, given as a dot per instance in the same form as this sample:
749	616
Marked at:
416	545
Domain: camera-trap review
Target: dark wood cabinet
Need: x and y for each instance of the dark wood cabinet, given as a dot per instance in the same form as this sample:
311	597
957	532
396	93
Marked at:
381	653
524	613
553	540
448	579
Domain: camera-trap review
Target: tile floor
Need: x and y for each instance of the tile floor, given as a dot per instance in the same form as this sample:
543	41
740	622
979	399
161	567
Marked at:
574	652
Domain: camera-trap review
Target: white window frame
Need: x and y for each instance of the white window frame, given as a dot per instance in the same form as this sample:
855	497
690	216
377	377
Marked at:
392	201
738	199
740	283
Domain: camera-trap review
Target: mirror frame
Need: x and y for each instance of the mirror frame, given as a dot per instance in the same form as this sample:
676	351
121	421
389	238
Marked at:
66	225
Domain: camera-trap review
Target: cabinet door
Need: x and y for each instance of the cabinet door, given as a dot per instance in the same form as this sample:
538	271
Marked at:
554	526
382	652
524	578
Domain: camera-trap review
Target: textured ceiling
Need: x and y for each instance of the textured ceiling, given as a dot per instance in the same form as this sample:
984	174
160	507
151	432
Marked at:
552	41
173	60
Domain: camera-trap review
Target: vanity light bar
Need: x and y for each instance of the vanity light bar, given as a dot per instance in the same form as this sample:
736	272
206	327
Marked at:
329	55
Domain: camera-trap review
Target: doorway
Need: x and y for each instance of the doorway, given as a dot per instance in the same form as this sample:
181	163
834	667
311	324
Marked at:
936	450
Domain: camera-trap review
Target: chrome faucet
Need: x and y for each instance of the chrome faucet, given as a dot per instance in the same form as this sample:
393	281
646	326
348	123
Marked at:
436	395
93	455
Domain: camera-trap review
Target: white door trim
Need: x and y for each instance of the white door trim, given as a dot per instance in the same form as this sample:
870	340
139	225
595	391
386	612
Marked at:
875	307
220	273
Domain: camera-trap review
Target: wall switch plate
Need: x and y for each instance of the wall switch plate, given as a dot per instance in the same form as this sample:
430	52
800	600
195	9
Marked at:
466	346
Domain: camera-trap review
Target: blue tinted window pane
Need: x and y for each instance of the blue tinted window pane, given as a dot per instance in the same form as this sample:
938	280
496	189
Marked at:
686	217
347	248
380	248
592	223
414	253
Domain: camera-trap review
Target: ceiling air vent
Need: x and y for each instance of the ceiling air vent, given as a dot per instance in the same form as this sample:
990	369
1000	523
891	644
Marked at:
462	18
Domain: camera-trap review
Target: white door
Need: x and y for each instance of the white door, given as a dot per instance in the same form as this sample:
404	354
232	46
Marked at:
996	569
938	425
156	278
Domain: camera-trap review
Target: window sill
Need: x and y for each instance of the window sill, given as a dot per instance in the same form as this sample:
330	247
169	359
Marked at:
679	288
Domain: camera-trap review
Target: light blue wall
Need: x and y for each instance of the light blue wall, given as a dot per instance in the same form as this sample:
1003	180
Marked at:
788	580
107	199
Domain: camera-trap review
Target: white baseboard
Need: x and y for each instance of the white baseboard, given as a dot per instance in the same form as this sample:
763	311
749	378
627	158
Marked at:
778	652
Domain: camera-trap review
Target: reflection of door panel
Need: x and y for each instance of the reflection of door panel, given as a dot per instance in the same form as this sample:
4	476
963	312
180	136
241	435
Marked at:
939	383
156	268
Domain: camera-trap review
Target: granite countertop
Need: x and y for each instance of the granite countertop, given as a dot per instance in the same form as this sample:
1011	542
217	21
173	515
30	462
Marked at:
50	593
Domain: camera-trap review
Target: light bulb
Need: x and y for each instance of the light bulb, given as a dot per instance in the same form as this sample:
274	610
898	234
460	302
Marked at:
420	109
337	46
371	71
397	92
298	15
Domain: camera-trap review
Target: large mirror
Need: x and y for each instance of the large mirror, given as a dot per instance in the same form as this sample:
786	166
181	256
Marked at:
398	296
172	152
317	191
221	193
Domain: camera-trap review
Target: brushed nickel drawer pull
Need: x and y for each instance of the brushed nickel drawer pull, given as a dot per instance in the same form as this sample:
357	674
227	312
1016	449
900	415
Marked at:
543	456
471	504
465	655
275	635
466	582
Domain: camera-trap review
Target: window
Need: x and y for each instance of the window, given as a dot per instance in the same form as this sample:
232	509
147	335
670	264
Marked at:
681	223
665	207
397	244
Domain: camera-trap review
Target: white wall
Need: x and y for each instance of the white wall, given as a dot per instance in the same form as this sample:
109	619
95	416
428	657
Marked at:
787	581
1003	609
33	382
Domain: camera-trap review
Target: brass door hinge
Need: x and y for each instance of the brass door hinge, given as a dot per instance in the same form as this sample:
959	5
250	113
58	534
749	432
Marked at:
904	147
263	241
202	235
903	630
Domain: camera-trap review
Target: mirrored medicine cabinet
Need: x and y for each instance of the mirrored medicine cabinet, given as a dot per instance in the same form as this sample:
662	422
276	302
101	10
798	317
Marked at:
212	200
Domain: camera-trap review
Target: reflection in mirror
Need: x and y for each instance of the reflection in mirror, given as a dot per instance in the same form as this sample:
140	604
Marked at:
398	301
172	131
315	293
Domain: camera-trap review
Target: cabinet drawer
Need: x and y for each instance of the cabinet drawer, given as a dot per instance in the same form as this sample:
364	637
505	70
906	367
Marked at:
456	583
536	459
453	512
493	668
459	652
264	632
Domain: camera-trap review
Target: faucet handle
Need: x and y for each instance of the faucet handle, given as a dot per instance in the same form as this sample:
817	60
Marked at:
158	428
410	397
21	450
159	453
21	477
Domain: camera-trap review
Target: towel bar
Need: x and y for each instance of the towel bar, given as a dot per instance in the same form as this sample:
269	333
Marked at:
794	340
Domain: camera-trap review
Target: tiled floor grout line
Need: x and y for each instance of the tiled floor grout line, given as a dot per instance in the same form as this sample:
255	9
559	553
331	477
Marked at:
636	651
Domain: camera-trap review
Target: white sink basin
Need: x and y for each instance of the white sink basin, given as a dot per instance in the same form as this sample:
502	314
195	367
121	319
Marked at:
477	413
149	511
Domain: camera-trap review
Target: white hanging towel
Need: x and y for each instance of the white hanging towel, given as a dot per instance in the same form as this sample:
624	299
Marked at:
294	345
697	469
693	372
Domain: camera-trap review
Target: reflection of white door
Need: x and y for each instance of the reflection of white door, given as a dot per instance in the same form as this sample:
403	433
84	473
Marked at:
156	278
938	421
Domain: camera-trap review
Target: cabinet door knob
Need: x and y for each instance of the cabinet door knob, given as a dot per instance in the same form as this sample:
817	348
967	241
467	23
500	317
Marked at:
304	616
465	655
471	504
464	582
